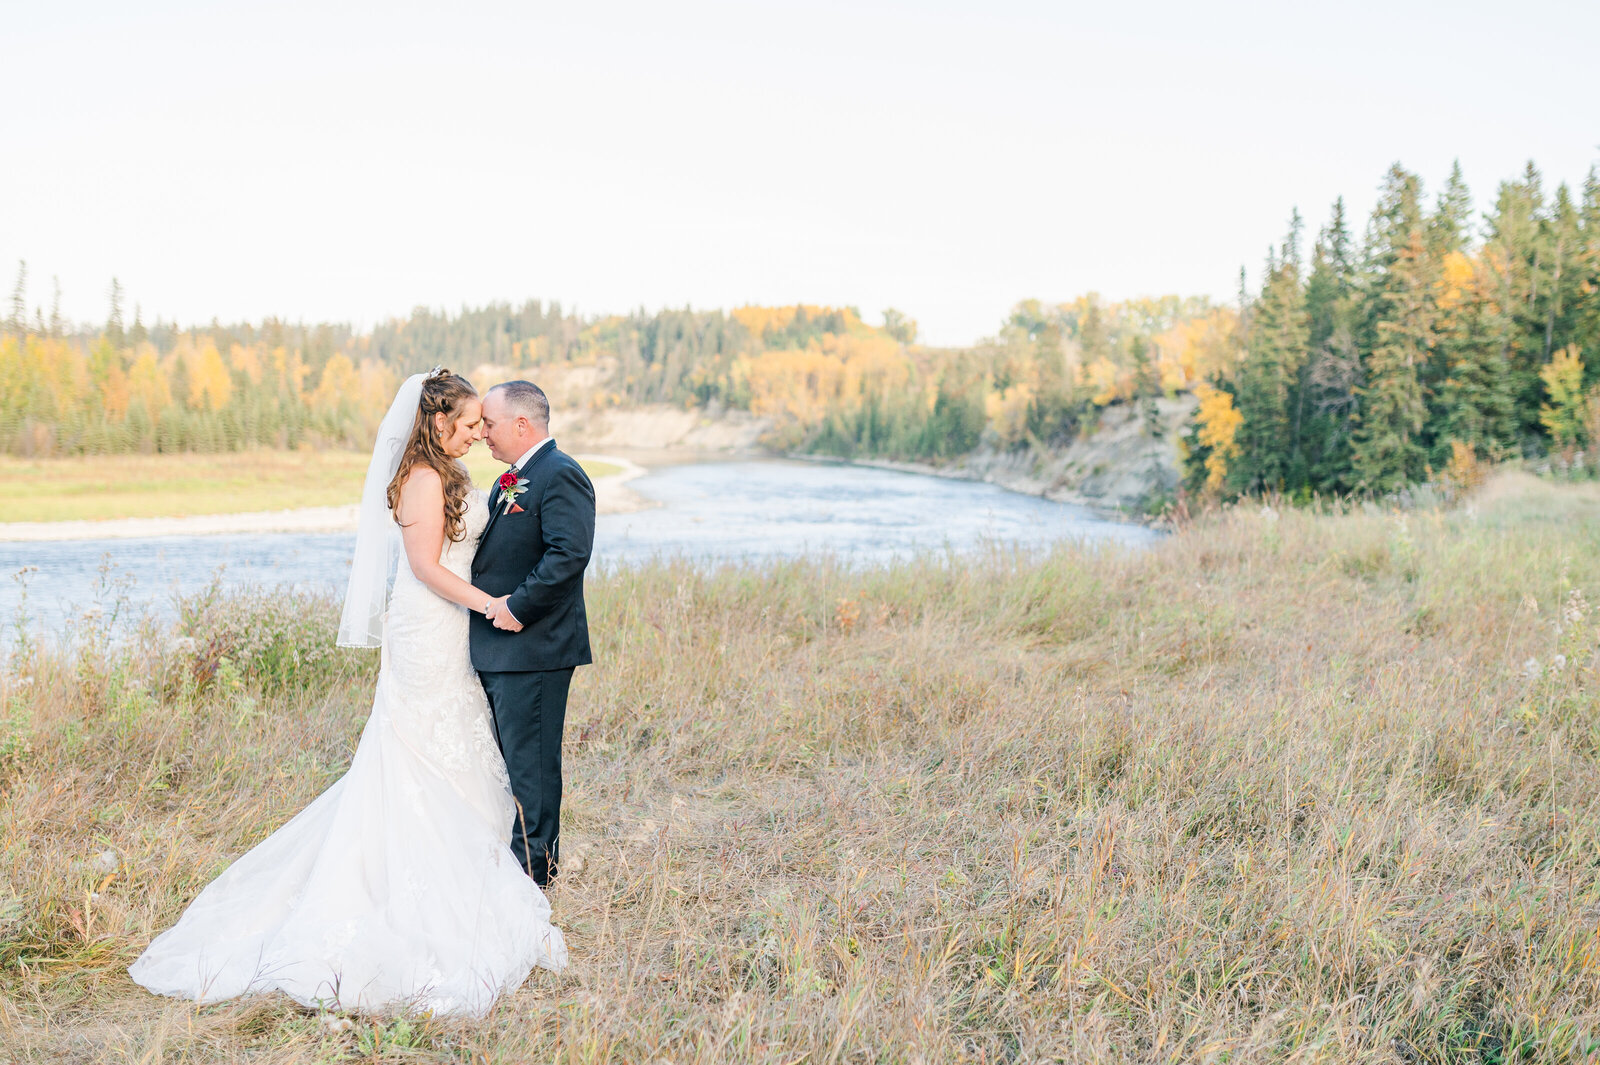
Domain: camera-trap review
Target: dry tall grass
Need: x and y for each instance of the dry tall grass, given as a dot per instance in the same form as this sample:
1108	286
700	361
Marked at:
1285	788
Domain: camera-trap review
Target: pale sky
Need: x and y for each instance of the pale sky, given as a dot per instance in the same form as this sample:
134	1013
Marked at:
330	161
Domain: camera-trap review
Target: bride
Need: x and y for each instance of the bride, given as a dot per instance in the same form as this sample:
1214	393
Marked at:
396	889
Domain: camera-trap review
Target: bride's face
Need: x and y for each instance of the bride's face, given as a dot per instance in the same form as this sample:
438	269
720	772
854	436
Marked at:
457	439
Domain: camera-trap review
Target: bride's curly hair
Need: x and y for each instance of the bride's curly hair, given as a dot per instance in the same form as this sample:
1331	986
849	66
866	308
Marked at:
446	393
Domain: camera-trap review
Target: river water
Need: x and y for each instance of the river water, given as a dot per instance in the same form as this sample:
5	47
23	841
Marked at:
709	512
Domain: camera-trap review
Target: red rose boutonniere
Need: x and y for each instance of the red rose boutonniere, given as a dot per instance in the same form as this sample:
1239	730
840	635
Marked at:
511	486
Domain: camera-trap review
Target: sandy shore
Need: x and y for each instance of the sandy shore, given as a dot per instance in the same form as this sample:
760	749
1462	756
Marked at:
612	496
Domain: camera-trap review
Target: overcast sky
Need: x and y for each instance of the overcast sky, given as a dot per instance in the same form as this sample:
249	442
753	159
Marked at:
323	161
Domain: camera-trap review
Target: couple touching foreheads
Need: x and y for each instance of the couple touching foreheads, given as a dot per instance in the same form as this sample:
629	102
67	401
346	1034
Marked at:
413	883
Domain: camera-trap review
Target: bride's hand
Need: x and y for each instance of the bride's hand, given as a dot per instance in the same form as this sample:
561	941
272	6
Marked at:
498	613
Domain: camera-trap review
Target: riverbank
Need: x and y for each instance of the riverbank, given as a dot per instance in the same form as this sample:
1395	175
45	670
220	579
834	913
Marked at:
195	492
1302	786
1119	467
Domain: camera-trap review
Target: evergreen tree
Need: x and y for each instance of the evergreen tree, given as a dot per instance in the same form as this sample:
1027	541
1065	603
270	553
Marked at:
1564	297
1516	249
1448	234
1146	386
1388	444
1586	280
1474	404
1332	375
1450	225
114	320
1274	356
18	320
1396	221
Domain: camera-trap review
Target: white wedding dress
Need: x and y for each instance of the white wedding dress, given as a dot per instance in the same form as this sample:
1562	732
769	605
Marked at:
395	890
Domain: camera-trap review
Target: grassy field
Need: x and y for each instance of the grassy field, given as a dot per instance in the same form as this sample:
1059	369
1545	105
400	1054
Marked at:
1287	787
161	486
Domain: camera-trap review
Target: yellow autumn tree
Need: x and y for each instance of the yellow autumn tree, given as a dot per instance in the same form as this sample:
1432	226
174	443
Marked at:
147	385
376	389
1563	416
1218	421
340	385
246	359
210	384
290	372
1106	381
1456	278
114	393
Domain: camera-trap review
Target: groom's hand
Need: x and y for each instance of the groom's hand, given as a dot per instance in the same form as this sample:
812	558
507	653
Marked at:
501	616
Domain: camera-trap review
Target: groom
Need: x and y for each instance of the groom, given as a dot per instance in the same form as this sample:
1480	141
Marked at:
534	632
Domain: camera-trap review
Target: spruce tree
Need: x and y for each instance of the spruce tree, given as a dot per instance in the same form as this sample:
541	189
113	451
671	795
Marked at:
1586	314
1450	225
18	321
1388	445
1396	220
1274	355
1474	403
1448	235
1564	299
114	319
1332	374
1515	247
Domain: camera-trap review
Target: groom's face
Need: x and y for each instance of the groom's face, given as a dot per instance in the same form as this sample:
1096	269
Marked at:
507	433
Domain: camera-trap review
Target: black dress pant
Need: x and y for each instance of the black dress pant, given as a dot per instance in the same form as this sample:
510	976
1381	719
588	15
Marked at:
529	712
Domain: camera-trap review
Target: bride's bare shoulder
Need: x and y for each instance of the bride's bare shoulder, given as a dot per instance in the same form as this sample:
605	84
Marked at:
422	478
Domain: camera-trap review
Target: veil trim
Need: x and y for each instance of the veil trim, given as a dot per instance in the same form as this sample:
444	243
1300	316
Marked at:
378	545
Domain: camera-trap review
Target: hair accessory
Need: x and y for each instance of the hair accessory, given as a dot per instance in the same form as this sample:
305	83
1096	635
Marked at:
437	371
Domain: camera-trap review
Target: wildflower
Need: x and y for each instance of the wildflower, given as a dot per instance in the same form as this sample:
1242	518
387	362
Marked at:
1268	514
334	1025
1558	662
1577	607
1531	669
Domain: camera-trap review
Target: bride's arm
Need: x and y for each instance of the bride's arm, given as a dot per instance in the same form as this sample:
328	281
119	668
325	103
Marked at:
421	517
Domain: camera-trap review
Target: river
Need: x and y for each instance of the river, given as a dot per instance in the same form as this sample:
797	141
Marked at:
711	512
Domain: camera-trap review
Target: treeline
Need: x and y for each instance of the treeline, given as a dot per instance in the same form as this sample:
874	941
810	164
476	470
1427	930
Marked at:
1436	341
58	397
73	390
827	380
1039	383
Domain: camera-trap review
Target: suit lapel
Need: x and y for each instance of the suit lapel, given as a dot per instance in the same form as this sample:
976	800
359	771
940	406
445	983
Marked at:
494	496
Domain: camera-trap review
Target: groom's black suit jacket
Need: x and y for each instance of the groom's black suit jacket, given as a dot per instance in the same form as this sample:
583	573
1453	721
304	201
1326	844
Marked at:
537	557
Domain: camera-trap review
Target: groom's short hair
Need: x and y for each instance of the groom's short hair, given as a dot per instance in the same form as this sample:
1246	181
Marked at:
527	399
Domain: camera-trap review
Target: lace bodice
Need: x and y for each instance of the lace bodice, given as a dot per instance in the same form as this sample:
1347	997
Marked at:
433	691
457	556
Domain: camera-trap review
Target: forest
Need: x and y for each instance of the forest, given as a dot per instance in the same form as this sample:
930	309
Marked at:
1436	340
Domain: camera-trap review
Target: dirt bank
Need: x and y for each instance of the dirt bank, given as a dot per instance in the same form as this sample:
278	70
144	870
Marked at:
1117	467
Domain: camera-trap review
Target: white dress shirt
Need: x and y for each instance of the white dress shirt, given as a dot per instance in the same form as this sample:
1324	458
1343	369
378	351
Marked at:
528	454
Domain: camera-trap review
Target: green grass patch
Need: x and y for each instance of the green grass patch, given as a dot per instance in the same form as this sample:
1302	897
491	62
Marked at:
185	485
